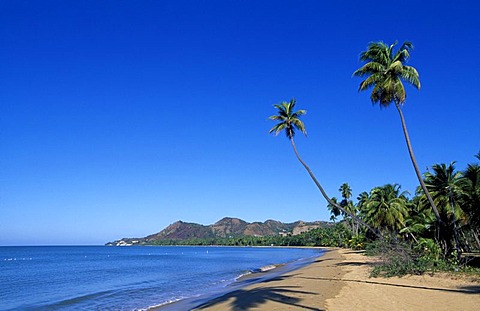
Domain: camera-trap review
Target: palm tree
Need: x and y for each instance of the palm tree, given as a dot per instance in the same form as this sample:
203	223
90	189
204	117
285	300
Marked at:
447	188
289	121
421	220
362	200
346	203
334	211
346	191
386	207
385	71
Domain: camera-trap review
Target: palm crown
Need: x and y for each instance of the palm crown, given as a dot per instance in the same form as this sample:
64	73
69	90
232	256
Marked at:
446	186
385	71
289	120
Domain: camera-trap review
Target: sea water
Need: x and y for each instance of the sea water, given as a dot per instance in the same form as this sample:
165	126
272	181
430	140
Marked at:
127	278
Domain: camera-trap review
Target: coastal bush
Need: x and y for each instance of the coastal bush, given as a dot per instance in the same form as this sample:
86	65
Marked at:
357	242
402	258
397	258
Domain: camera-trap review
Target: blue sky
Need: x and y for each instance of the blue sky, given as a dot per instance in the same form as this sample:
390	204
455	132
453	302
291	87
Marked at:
120	117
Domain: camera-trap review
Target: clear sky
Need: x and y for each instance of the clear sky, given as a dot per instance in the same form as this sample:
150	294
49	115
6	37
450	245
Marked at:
120	117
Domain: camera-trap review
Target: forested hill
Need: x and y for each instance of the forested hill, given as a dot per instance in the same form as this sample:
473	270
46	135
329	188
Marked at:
224	228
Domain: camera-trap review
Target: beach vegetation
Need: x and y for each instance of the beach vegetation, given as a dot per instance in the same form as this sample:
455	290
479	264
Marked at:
386	208
447	187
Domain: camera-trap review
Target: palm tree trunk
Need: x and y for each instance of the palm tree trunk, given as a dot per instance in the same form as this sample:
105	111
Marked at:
475	236
414	162
455	229
327	197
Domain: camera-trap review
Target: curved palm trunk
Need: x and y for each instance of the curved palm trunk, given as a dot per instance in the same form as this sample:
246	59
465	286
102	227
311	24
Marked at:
355	218
415	166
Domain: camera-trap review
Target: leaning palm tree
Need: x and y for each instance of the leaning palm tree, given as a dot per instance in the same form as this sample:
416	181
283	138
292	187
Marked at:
385	72
289	121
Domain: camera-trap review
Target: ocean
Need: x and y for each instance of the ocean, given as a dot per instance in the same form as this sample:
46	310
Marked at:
131	278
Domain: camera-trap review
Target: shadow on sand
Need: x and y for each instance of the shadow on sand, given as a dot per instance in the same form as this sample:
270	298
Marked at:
244	299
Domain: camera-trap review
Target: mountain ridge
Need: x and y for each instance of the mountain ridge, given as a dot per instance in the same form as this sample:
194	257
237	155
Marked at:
227	227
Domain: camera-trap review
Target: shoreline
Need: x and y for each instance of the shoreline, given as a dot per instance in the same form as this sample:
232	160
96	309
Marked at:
340	280
258	276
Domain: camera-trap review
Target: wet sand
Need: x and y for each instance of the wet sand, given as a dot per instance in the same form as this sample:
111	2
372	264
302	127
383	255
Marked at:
339	280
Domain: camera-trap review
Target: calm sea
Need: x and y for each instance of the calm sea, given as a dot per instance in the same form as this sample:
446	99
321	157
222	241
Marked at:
127	278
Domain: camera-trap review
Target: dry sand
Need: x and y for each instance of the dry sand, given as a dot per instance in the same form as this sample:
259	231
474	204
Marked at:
340	280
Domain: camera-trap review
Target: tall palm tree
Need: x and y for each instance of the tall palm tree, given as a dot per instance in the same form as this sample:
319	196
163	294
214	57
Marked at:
447	188
387	207
385	72
289	121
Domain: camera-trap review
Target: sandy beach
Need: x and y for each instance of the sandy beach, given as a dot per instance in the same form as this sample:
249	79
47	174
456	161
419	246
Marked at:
339	280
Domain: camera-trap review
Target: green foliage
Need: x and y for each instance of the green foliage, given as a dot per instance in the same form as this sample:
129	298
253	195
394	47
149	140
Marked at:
288	119
357	242
429	249
385	70
386	207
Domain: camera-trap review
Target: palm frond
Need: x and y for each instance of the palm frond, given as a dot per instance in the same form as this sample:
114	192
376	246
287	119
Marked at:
369	68
403	54
410	74
276	118
377	52
385	71
300	126
277	128
372	80
299	113
288	119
